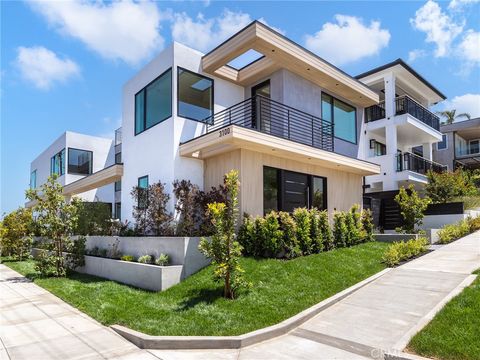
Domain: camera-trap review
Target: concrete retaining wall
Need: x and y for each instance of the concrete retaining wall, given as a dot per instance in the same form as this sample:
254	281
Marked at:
439	221
394	237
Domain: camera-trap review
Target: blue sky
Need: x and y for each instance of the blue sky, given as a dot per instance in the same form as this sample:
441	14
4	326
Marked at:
63	64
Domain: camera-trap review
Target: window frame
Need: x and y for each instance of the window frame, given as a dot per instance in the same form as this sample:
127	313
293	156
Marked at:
333	118
31	173
212	100
145	104
138	186
119	187
61	167
470	146
446	143
68	162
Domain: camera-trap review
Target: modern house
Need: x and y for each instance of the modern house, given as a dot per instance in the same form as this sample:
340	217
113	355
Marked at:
300	131
76	158
460	145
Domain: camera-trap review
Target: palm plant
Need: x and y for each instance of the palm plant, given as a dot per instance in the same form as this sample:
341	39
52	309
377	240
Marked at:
450	116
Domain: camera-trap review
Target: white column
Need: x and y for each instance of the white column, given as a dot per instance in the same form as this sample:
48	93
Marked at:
389	85
390	168
427	151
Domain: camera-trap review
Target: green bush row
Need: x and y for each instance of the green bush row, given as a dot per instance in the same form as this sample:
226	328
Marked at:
401	251
455	231
304	232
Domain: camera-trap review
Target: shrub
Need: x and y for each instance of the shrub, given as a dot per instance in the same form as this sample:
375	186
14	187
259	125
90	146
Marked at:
214	195
474	224
16	230
186	194
113	251
302	220
412	208
247	236
401	251
94	218
127	258
340	230
268	235
443	187
75	253
162	260
289	229
453	232
326	231
353	225
367	225
145	259
316	231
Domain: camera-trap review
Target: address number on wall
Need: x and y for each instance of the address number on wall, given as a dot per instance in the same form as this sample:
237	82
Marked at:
224	132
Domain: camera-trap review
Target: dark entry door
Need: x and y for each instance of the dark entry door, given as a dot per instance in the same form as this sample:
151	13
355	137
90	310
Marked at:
295	191
260	106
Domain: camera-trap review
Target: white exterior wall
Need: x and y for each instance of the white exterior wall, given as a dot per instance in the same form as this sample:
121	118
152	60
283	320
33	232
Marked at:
155	152
103	156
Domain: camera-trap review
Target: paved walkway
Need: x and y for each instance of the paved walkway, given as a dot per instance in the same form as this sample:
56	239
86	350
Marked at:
35	324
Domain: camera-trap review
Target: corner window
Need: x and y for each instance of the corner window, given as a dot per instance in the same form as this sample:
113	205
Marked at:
57	163
442	145
153	104
33	179
118	185
80	161
344	118
142	191
195	95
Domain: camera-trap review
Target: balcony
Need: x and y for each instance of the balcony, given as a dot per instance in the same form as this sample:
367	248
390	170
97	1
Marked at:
418	164
404	105
273	118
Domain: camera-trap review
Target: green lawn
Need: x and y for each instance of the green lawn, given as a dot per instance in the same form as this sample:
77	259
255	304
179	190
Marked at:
454	333
280	290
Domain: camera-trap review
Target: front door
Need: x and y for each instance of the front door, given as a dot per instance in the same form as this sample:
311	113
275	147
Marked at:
261	107
295	191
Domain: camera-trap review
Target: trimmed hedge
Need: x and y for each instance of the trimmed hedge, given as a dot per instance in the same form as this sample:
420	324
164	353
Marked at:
462	228
401	251
304	232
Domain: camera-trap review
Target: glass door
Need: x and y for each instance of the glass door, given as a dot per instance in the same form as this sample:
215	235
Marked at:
261	107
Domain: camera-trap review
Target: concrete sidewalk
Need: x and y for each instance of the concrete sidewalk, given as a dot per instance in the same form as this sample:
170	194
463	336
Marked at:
380	317
35	324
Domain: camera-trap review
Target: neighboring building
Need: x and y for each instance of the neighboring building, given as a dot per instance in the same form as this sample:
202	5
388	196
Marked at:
400	135
74	157
460	145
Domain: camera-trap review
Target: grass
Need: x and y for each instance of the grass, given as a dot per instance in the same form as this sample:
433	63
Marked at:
453	334
469	202
280	290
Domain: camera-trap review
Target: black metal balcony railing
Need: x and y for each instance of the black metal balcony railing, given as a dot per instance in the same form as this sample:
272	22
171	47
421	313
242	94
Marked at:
403	105
418	164
274	118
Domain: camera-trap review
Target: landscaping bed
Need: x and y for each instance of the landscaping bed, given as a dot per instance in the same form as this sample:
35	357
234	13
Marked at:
453	332
281	289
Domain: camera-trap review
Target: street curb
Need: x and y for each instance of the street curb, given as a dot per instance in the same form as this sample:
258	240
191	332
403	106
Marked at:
145	341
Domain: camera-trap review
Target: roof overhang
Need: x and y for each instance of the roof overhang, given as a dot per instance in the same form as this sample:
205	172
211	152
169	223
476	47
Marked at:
280	52
98	179
237	137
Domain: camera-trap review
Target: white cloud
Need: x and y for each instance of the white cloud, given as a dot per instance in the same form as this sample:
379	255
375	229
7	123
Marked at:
204	34
416	54
469	48
459	4
348	40
468	103
439	27
43	67
124	30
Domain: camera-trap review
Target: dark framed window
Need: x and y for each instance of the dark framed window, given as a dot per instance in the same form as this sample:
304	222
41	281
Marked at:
118	210
418	150
118	185
285	190
142	191
118	158
153	104
194	95
80	161
442	145
379	149
343	115
33	179
474	146
57	163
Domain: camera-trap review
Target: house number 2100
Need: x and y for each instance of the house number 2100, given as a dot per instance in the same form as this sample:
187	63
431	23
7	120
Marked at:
224	132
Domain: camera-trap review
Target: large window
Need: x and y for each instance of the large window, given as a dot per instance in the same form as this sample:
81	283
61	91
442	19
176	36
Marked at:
378	148
287	190
153	104
80	161
442	145
57	163
118	185
195	95
344	118
33	179
142	191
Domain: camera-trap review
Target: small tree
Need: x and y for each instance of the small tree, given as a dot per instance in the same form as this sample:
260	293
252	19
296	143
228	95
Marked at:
16	230
367	225
185	194
412	208
443	187
223	248
56	219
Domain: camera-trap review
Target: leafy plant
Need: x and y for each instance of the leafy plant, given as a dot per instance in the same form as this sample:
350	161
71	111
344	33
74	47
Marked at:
114	251
145	259
303	221
316	231
75	253
128	258
289	229
453	232
400	251
16	230
326	231
412	208
94	218
223	247
367	225
186	195
444	187
163	260
340	230
56	219
353	225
